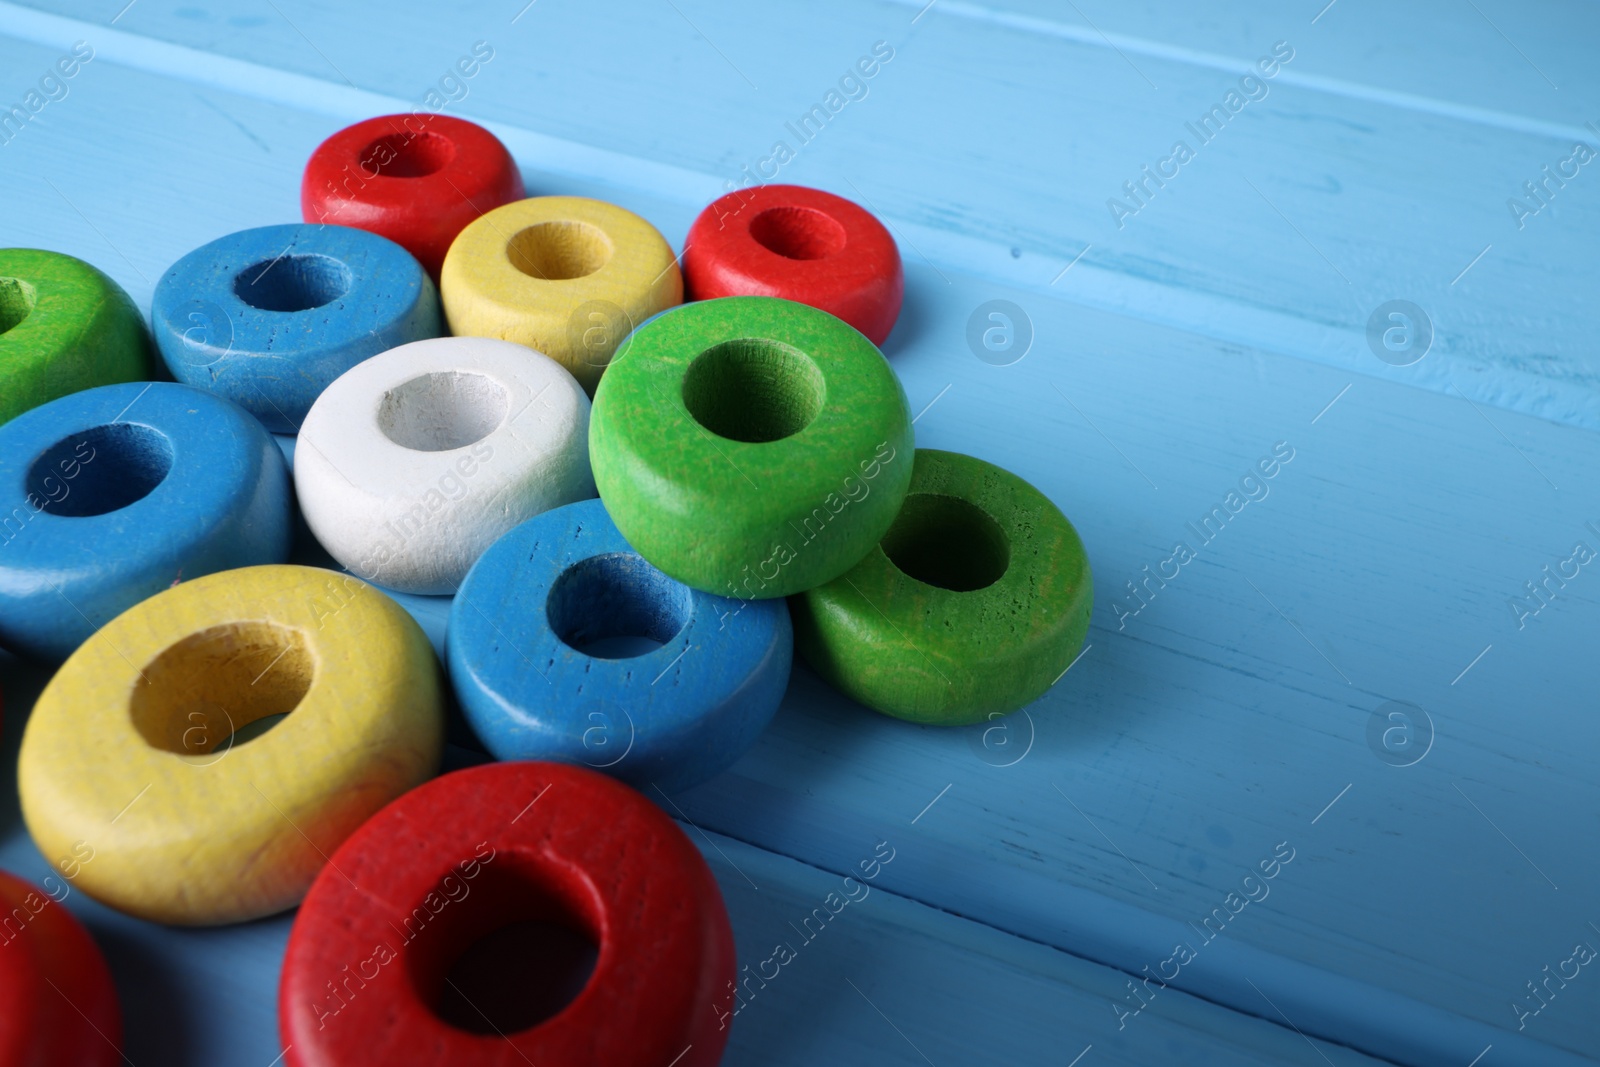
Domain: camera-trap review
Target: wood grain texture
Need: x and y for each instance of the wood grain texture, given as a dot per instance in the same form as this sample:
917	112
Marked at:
193	996
1175	353
932	153
891	981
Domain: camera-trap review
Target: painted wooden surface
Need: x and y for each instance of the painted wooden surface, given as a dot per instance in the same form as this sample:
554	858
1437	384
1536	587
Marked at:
955	990
1243	703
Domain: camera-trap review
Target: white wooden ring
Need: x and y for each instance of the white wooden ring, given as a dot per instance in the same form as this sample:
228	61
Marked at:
415	461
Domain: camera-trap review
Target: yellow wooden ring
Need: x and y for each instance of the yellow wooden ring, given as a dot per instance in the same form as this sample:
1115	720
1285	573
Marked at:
564	275
130	750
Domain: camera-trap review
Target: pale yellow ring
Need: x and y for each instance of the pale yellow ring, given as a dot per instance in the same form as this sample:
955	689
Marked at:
121	757
491	282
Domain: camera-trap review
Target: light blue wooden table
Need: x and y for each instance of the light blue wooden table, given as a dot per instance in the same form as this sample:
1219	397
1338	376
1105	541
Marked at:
1348	662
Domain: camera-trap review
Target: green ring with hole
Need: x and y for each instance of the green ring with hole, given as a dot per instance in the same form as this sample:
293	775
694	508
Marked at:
64	327
749	446
974	604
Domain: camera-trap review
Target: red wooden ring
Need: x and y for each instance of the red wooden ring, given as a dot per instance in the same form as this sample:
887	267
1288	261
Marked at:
416	179
800	244
466	855
42	945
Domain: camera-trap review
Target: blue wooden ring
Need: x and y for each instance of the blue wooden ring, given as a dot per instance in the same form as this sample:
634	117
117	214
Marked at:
671	717
269	317
111	495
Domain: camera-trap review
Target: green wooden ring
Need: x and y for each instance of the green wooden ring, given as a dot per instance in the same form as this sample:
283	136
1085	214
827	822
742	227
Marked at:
64	327
750	447
974	604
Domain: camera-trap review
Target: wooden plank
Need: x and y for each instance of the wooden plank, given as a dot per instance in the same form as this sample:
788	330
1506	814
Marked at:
1494	65
880	978
901	983
1211	727
1253	244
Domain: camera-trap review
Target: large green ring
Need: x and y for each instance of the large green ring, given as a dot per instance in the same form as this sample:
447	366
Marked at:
750	447
64	327
974	604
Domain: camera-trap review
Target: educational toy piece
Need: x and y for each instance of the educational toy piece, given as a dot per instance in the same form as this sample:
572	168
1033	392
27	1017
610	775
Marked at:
269	317
974	604
563	275
414	462
64	326
800	244
160	741
751	447
565	644
416	179
454	866
111	495
60	1005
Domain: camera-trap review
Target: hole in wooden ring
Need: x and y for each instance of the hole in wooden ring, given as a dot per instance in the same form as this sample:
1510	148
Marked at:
221	687
408	155
616	606
17	298
99	470
499	945
947	542
753	389
443	410
558	251
292	283
798	232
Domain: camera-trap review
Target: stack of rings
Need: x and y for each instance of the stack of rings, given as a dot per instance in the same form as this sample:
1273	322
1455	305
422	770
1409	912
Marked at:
224	723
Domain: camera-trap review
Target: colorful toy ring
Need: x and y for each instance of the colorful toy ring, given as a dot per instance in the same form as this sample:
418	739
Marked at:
270	317
61	1007
142	743
974	604
111	495
751	447
64	326
564	275
564	644
460	860
800	244
416	179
